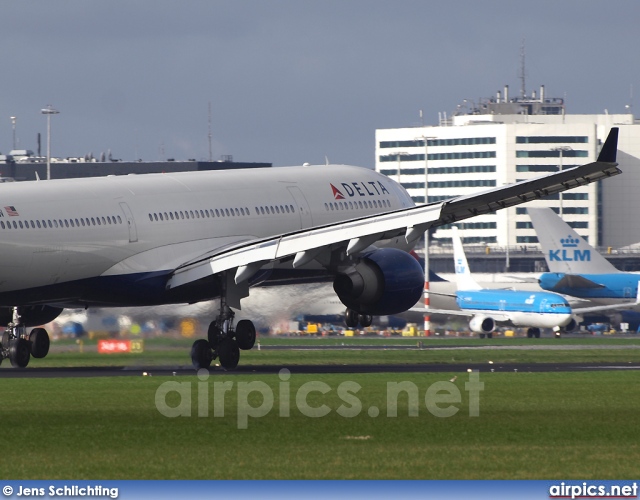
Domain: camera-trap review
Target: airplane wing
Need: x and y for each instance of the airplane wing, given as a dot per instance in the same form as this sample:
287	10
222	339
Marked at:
612	307
303	246
495	315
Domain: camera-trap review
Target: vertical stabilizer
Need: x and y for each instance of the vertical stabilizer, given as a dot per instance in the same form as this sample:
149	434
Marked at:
565	250
463	274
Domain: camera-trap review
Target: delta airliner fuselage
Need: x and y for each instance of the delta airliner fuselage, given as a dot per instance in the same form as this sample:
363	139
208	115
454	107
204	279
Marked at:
115	240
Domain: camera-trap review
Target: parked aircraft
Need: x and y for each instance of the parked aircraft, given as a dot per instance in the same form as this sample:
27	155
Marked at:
576	268
487	308
188	237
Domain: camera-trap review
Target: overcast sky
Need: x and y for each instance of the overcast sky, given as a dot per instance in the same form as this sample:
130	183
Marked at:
292	81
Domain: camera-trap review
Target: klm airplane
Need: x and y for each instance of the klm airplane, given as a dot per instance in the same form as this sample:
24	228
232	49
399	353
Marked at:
535	310
576	268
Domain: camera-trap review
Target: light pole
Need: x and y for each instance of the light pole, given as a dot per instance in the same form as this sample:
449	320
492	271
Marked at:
49	110
13	126
399	158
560	150
427	316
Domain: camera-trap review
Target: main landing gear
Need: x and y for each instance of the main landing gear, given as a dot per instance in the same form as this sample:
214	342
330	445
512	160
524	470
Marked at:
224	341
20	347
353	319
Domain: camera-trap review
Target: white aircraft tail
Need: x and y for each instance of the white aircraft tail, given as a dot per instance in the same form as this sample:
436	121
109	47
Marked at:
565	250
463	274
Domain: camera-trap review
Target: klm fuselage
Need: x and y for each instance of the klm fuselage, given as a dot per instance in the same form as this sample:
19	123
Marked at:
116	240
534	309
607	286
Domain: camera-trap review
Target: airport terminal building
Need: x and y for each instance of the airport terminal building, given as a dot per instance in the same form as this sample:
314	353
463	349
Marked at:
502	140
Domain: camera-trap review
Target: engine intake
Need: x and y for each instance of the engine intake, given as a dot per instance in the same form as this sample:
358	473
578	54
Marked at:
382	282
482	324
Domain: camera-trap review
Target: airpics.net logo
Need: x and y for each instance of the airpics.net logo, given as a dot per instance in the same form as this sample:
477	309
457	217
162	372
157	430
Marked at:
257	399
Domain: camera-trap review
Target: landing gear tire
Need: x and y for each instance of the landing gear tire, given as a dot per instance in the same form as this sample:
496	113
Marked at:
490	335
245	334
201	354
19	353
214	335
351	318
39	343
228	353
365	320
483	335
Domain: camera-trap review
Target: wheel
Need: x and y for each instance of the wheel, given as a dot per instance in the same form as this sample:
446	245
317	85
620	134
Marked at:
530	333
245	334
490	335
229	353
365	320
482	335
536	333
39	342
214	334
201	354
19	353
351	318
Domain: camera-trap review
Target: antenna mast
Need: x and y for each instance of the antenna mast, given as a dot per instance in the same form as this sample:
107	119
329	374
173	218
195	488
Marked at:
210	152
523	89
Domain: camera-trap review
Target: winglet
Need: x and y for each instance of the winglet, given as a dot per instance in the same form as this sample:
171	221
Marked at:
610	147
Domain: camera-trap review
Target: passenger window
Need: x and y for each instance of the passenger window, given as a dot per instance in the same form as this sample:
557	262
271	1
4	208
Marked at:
242	210
191	213
33	226
119	220
77	223
71	222
55	223
206	212
227	211
82	221
247	210
171	214
217	213
181	214
37	222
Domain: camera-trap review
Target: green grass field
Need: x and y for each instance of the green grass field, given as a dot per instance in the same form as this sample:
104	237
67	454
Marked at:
531	425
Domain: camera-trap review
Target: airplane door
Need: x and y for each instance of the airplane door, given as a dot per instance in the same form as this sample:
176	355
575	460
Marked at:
302	207
131	223
543	305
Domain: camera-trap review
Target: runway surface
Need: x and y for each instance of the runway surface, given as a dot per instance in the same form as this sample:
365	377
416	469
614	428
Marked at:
115	371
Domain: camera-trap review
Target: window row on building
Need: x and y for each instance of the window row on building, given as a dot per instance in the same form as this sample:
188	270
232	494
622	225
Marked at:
79	222
565	210
469	169
541	168
571	153
460	155
552	139
417	143
460	184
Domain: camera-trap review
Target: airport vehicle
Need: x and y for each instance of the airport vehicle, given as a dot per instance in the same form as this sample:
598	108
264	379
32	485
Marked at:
187	237
576	268
534	310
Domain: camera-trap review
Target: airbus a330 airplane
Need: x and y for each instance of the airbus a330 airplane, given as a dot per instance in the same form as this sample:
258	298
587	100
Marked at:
576	268
486	308
187	237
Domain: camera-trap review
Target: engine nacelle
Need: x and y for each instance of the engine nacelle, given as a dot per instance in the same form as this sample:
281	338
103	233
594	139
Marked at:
30	315
572	325
482	324
382	282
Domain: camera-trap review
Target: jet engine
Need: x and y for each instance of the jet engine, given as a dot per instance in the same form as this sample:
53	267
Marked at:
482	324
383	282
30	315
572	325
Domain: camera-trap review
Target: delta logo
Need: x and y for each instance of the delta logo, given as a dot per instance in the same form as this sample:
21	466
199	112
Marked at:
371	188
